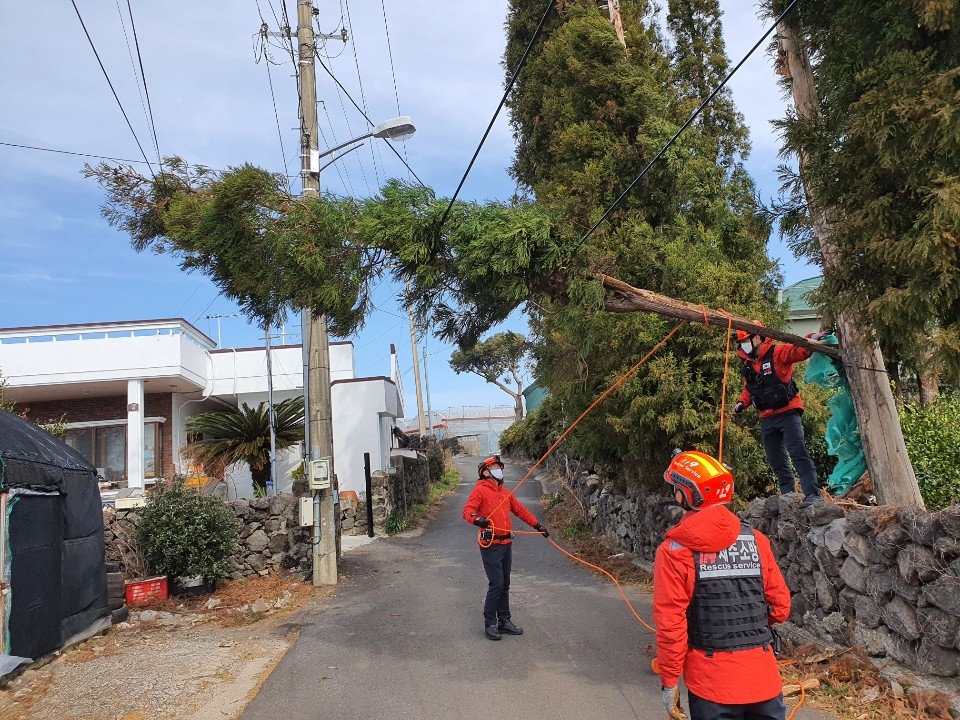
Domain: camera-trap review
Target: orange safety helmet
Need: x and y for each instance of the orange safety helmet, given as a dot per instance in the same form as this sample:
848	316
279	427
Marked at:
488	463
743	334
703	480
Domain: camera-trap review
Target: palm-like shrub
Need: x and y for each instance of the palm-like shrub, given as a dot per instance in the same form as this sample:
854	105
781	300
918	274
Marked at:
243	435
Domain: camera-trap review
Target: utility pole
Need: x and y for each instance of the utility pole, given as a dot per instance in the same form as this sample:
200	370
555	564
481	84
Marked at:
416	373
887	460
426	382
272	488
316	341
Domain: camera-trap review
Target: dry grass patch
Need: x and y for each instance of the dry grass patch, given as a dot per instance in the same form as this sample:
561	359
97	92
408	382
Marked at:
564	517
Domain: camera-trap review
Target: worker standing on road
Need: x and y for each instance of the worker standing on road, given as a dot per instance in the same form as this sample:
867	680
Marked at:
717	589
489	507
768	384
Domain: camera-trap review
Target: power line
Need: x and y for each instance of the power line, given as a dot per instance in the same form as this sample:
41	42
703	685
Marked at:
116	97
133	66
68	152
363	96
273	98
393	72
683	127
367	118
146	90
503	100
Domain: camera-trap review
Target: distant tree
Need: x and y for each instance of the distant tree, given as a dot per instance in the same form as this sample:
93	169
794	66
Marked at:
492	359
243	435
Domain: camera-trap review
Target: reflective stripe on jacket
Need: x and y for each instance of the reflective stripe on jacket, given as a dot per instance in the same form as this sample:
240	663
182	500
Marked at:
495	503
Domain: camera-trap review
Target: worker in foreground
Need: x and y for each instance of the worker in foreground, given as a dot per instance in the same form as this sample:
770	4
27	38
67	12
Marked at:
769	386
489	507
717	589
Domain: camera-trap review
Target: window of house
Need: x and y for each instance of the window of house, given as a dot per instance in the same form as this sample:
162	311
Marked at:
106	447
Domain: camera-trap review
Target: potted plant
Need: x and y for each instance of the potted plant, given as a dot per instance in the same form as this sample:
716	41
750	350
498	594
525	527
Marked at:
188	537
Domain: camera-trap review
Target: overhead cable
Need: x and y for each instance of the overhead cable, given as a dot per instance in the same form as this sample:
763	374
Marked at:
116	97
146	90
363	95
367	118
503	100
683	127
68	152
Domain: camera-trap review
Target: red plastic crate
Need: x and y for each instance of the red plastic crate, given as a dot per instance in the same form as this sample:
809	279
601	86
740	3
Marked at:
141	591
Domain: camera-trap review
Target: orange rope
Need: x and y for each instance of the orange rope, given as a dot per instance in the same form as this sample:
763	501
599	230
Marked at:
723	393
586	412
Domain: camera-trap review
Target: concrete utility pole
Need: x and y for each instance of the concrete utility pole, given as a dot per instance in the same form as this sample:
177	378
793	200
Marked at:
416	373
316	341
890	469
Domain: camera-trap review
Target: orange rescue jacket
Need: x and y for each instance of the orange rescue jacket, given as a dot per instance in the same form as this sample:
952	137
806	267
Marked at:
784	357
495	503
733	677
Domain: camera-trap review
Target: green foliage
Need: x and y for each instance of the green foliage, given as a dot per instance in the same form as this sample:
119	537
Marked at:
185	534
932	435
531	437
492	359
243	435
396	523
435	463
883	161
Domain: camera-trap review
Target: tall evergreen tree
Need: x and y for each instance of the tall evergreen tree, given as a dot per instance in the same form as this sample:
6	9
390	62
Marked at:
884	156
588	118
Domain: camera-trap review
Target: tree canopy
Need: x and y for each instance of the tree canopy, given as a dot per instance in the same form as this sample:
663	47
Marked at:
493	359
884	157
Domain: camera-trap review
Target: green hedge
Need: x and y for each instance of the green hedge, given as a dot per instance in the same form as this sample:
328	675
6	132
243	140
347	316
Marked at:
932	435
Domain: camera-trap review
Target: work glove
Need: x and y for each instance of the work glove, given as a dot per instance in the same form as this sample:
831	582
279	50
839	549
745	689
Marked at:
481	521
671	701
739	408
542	530
818	335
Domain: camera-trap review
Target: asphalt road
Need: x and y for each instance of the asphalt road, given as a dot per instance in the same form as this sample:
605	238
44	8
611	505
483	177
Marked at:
403	635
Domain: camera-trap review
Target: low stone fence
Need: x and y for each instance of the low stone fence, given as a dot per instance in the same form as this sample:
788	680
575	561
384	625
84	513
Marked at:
396	493
884	579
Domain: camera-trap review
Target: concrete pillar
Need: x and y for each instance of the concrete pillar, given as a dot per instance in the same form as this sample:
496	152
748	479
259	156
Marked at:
135	416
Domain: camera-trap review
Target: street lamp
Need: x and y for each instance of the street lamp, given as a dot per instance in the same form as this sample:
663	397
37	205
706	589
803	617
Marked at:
392	129
316	365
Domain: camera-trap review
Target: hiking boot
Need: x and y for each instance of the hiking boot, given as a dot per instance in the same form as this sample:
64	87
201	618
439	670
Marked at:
491	632
811	500
508	628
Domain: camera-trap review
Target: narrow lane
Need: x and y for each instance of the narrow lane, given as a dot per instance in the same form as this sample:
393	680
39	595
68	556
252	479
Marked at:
402	635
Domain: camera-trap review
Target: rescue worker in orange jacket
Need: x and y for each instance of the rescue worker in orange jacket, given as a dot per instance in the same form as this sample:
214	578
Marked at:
768	385
489	507
717	589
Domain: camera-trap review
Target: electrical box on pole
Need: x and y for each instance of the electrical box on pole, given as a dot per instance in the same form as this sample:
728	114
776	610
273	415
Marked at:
306	511
320	475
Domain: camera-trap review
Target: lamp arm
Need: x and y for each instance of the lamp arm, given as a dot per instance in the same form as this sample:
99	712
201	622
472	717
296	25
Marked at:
326	165
343	145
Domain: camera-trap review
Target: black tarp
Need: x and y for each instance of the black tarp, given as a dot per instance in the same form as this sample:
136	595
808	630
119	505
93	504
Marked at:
58	583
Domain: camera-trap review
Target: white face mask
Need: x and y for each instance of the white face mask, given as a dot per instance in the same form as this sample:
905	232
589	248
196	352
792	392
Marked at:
496	473
747	347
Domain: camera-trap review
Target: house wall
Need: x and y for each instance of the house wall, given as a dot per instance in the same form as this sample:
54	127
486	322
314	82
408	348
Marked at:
359	405
114	410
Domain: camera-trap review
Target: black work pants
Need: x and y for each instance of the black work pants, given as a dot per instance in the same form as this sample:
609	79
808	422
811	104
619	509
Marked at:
497	560
782	434
701	709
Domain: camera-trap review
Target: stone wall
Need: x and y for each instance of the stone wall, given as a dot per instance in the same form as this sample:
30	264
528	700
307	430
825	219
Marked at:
396	493
884	579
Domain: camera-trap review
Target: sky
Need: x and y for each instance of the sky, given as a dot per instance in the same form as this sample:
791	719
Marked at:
209	89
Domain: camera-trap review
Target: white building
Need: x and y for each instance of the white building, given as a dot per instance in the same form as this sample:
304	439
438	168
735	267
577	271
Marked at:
127	388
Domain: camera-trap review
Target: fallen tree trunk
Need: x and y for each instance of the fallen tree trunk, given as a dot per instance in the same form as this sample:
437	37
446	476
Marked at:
625	298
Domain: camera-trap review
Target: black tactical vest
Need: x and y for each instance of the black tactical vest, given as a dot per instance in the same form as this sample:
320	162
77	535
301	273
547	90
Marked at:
728	610
767	391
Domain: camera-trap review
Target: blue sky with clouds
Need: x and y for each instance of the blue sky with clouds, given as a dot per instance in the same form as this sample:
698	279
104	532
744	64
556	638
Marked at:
212	104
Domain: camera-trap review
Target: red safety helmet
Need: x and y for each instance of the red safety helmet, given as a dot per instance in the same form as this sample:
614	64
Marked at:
489	463
703	480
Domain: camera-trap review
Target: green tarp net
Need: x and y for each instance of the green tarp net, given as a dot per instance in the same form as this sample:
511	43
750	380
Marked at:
843	435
